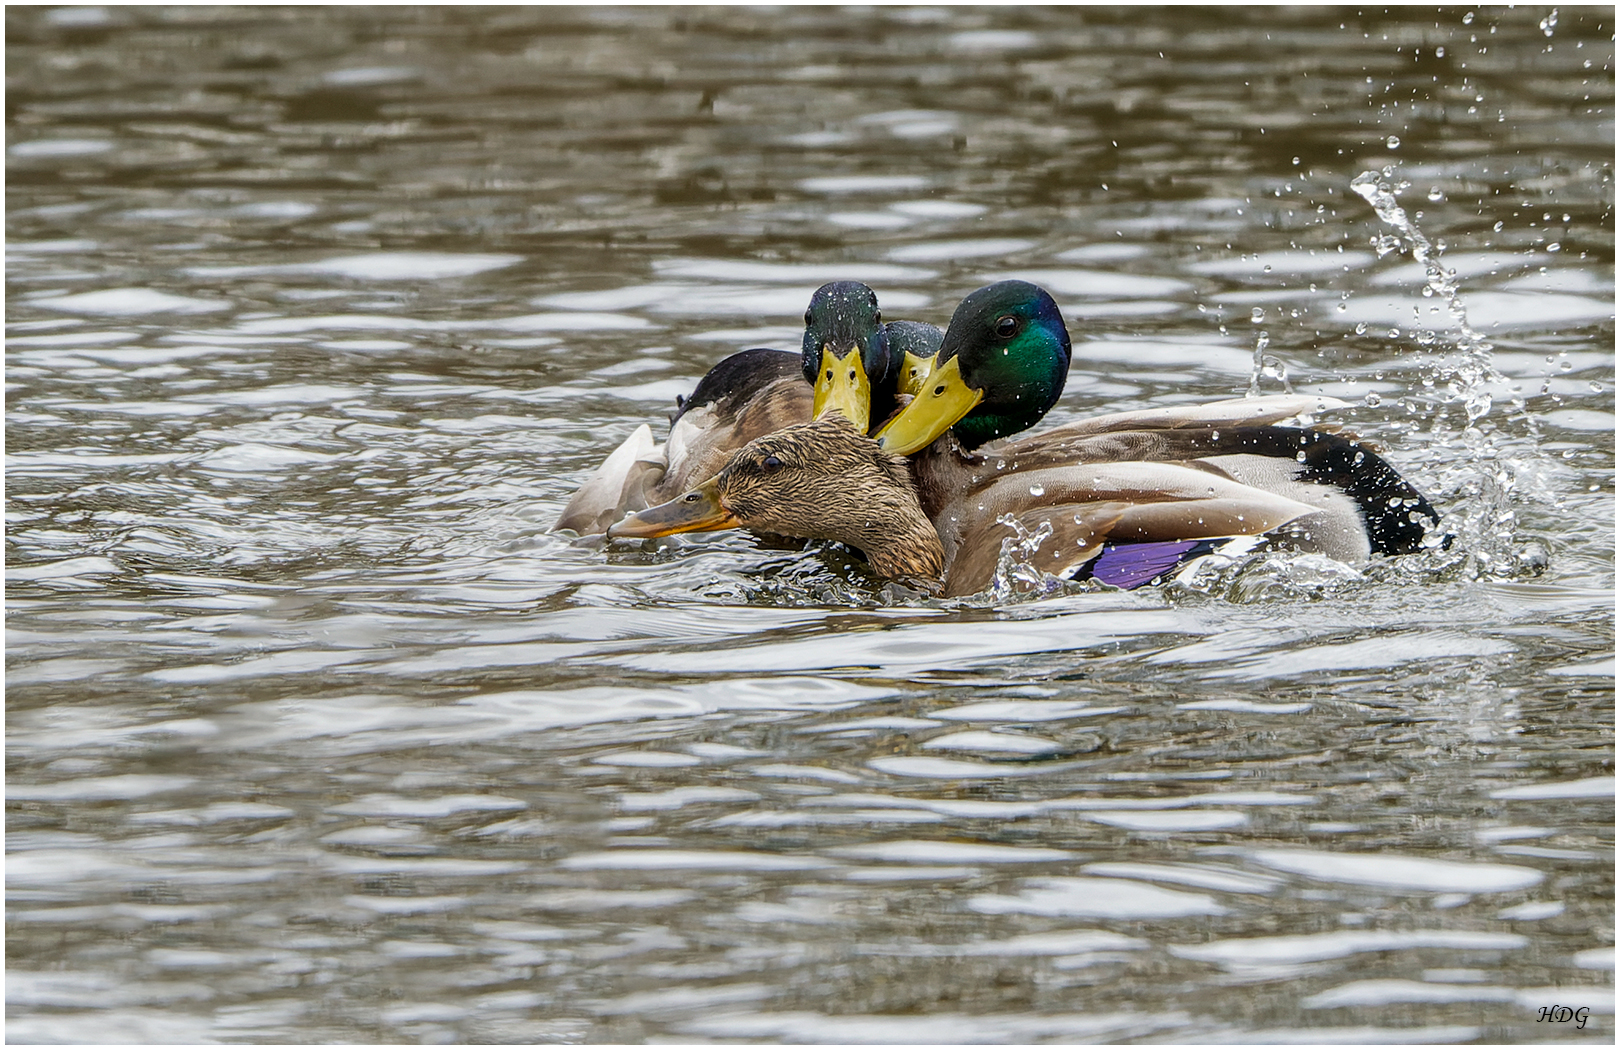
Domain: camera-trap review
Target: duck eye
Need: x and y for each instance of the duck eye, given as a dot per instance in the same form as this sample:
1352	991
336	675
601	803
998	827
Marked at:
1006	325
692	497
770	464
807	317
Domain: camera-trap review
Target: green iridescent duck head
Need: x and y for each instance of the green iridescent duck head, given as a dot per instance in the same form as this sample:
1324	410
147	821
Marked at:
846	354
1001	367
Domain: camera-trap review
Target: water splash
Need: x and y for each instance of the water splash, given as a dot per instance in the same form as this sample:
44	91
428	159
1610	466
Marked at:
1466	377
1481	478
1014	573
1266	366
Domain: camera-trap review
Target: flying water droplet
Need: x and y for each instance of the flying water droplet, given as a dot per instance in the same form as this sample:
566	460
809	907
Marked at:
1257	315
1393	142
1037	490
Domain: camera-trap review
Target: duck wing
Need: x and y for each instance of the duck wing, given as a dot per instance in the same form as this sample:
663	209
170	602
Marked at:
617	487
1238	411
745	396
1081	508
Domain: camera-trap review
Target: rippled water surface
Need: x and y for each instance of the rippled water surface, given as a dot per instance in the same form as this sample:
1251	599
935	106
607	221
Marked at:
316	317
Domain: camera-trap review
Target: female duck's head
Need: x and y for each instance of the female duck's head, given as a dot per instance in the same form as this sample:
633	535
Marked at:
1001	367
817	480
846	351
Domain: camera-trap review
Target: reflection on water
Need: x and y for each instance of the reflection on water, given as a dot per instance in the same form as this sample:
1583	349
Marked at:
318	316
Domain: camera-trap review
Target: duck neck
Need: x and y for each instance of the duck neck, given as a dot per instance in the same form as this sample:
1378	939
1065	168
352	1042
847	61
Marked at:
894	533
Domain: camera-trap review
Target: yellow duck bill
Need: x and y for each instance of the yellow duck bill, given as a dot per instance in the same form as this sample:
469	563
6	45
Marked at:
842	386
699	510
943	398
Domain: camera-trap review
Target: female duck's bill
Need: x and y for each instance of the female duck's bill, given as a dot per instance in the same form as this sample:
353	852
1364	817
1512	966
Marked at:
700	510
1001	367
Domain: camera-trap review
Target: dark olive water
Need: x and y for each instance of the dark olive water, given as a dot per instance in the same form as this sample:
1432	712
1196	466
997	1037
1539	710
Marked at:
316	317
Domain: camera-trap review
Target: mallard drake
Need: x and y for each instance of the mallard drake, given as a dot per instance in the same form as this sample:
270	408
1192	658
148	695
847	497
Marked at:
1124	521
854	362
1000	367
850	361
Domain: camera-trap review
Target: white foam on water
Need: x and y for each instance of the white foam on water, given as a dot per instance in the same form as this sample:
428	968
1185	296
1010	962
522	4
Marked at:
1119	899
1394	871
128	302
